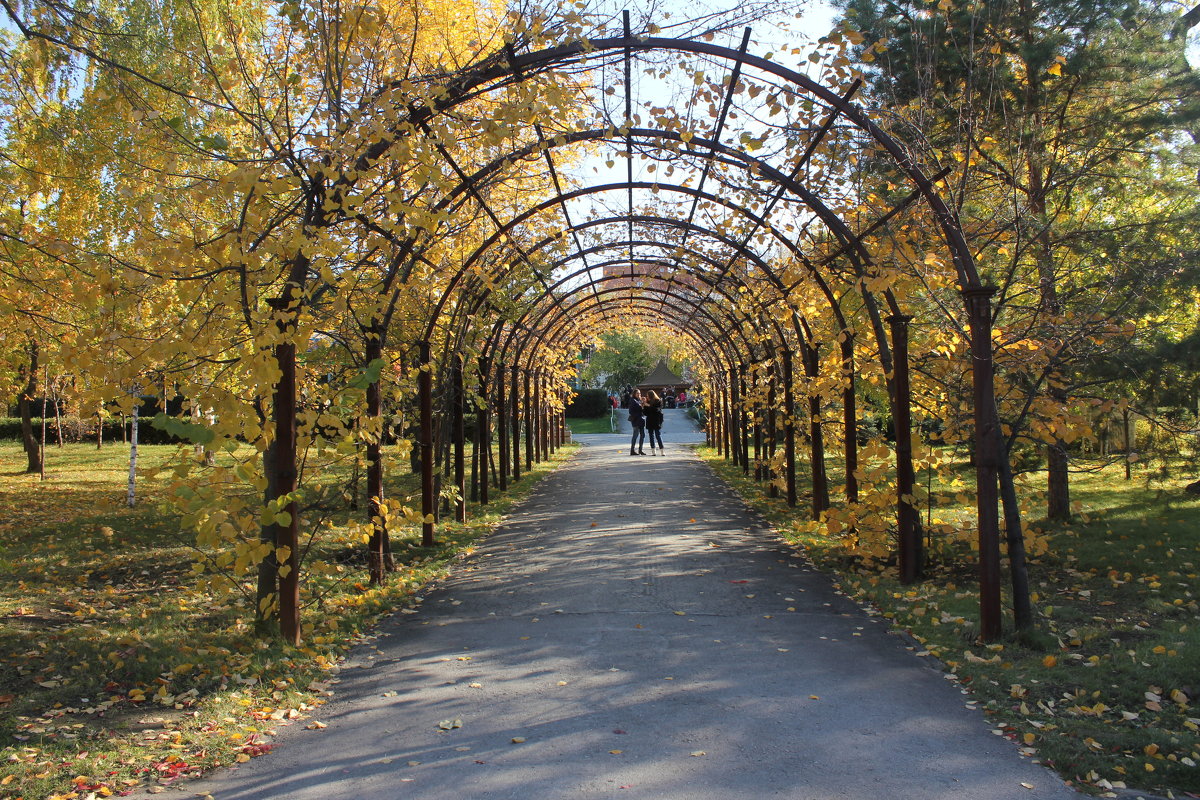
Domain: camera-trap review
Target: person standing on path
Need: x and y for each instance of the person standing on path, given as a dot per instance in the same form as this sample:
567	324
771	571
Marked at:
638	420
654	420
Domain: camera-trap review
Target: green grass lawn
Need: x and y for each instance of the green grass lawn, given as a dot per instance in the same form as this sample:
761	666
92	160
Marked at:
1107	690
581	425
120	667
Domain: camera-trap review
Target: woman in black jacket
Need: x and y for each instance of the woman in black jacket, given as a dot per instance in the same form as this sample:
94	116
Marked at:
654	420
638	420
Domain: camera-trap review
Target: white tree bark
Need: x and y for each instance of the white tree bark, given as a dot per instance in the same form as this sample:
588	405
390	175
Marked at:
133	437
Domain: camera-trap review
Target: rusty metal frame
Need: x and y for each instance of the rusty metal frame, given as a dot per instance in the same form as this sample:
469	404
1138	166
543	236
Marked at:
513	68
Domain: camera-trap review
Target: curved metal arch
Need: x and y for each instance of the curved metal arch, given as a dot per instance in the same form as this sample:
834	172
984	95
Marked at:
735	316
536	247
516	68
827	215
730	338
645	261
713	355
691	302
519	323
766	271
703	344
798	322
707	349
586	191
948	221
728	335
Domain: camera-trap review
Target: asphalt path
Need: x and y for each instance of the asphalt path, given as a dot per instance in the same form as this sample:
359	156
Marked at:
632	631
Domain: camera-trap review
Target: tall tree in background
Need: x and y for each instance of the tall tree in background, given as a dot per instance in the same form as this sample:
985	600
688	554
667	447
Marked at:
1064	120
623	359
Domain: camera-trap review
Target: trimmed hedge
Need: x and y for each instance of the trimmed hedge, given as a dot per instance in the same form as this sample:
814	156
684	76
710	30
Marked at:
589	403
76	430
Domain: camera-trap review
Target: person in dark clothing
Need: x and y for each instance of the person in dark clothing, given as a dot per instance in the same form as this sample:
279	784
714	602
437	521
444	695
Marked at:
638	420
654	419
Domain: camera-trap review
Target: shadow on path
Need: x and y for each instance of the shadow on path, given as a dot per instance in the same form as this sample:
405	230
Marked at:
646	638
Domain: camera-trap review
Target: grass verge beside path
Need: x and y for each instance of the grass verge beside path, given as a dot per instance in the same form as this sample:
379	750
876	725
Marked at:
582	425
118	669
1107	690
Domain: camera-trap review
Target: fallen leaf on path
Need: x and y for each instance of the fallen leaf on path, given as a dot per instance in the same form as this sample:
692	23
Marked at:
518	740
698	753
316	725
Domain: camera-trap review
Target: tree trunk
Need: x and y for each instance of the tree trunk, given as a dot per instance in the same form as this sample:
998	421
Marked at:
483	424
1018	571
1058	486
131	495
375	501
849	417
820	478
1128	430
266	598
42	444
459	438
912	555
58	415
33	452
1058	482
279	466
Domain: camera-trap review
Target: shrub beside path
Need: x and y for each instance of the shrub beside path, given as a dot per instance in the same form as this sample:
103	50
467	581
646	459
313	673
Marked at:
632	632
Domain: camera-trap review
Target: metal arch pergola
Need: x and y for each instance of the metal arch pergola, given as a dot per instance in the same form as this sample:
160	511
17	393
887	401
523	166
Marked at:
820	495
548	311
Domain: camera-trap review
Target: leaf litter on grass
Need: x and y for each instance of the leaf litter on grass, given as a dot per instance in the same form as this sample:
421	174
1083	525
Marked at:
118	668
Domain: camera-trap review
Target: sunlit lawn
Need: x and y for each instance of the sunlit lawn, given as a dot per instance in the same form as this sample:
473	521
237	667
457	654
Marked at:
581	425
119	668
1107	691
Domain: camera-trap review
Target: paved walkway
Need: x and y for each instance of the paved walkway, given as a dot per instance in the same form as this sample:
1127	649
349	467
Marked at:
631	632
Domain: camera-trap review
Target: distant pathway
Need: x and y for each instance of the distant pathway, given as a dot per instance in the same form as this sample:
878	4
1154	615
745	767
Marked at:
642	637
